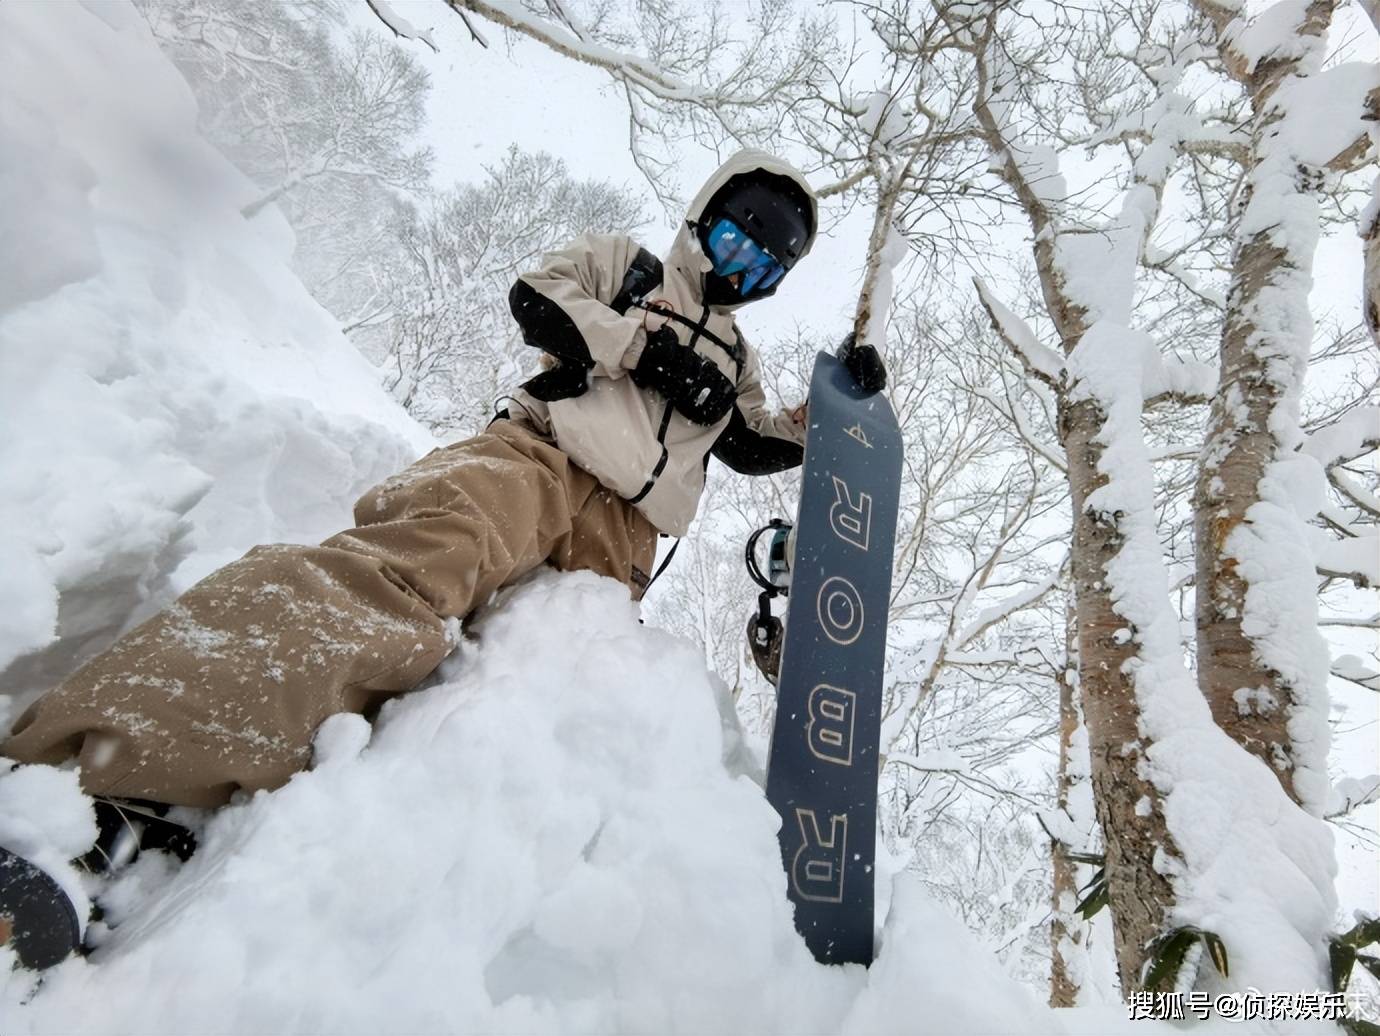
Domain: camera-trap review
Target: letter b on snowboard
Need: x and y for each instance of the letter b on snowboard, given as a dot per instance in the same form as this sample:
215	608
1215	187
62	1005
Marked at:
830	729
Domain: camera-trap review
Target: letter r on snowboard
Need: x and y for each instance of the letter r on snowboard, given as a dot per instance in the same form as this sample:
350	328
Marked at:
851	522
817	869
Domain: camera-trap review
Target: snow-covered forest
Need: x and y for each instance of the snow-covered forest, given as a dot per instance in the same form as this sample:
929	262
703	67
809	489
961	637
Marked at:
1122	259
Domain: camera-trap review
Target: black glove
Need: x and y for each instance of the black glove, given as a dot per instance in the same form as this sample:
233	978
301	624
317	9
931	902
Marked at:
864	363
692	384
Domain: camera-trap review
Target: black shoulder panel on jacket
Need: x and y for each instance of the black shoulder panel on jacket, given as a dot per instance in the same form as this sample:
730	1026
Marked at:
563	381
752	453
546	326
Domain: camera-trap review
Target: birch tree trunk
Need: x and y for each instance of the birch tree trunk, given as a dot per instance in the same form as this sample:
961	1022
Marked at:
1135	836
1270	701
1066	934
1127	802
1370	226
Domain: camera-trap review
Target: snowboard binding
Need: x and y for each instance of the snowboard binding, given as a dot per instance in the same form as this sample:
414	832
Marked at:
765	632
128	827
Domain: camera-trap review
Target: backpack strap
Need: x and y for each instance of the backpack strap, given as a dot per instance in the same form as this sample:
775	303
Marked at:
739	351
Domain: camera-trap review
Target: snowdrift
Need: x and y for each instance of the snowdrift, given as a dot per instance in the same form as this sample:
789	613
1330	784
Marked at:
170	394
562	834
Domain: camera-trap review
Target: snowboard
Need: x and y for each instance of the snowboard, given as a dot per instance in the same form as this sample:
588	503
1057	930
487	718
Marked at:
37	920
822	766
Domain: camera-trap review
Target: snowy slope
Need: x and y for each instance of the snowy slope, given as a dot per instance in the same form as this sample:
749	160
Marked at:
170	394
556	837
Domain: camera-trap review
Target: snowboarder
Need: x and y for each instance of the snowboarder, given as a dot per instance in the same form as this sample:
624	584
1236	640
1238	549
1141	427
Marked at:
646	376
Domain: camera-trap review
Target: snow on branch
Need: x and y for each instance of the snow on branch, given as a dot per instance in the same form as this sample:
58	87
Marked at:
1357	495
926	664
989	114
1280	33
404	29
1172	378
1229	144
1038	360
1356	670
1025	427
1070	835
693	79
1328	116
1354	435
938	760
1370	622
1004	609
848	182
1356	559
1351	794
1266	46
631	68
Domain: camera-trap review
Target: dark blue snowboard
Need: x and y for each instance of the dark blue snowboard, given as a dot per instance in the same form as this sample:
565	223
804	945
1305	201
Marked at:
822	771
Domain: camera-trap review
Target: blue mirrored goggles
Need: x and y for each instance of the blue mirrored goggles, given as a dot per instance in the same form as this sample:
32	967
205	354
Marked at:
733	251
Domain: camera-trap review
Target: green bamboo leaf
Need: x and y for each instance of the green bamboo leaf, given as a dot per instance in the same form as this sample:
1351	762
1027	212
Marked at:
1096	858
1168	952
1358	1027
1093	902
1218	951
1097	902
1341	957
1099	878
1363	934
1371	964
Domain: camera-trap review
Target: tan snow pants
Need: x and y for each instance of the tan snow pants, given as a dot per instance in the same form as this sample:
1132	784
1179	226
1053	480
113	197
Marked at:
225	689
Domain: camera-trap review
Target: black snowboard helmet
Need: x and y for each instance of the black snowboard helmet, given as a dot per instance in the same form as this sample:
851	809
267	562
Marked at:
769	208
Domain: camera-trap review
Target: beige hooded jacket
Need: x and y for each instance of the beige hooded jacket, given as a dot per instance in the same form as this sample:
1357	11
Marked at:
629	438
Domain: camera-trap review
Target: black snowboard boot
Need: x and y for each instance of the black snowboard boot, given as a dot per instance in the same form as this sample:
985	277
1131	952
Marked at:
37	920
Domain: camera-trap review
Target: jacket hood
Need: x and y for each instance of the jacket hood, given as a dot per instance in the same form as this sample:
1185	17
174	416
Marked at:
688	257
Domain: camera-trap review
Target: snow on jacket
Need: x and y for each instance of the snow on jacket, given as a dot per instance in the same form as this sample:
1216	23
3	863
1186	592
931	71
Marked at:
630	438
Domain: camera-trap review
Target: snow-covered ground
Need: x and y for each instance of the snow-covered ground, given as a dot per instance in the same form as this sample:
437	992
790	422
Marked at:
563	834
